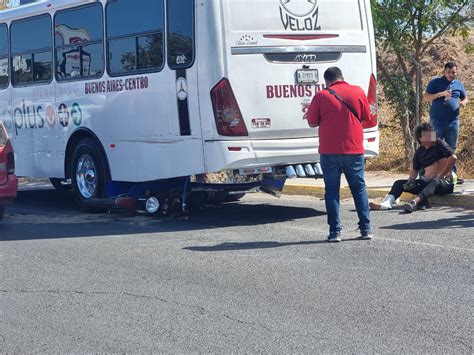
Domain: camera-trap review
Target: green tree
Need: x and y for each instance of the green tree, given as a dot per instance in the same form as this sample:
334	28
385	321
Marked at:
406	30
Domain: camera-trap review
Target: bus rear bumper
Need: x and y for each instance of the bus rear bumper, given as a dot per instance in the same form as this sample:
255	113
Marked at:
222	155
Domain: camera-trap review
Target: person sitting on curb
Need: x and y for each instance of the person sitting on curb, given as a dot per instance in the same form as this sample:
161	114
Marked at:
435	159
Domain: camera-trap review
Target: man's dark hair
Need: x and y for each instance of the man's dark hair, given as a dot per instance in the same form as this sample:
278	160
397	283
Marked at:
450	65
424	127
333	74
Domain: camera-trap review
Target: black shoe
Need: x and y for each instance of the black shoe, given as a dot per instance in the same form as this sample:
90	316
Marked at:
334	237
460	181
410	206
366	235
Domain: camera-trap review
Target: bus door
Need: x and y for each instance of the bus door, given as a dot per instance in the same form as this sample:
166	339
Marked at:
184	103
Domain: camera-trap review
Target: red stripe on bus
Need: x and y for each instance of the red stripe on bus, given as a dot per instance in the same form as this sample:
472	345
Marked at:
300	37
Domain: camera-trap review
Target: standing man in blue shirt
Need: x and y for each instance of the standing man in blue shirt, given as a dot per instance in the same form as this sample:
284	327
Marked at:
447	94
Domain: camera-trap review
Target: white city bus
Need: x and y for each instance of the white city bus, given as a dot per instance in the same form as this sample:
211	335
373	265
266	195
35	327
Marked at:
132	91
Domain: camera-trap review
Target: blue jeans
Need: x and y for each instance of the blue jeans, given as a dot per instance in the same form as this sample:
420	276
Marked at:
352	165
449	132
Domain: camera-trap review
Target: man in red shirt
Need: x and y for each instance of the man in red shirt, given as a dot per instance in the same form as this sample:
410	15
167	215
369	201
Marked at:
338	111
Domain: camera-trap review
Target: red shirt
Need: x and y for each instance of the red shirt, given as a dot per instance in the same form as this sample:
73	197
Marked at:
340	132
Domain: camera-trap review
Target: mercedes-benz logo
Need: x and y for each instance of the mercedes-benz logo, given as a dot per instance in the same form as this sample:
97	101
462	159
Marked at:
181	88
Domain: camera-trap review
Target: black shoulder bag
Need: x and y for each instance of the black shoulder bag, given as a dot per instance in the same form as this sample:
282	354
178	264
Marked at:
354	112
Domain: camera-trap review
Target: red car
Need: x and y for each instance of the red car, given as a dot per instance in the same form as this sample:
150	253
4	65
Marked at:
8	180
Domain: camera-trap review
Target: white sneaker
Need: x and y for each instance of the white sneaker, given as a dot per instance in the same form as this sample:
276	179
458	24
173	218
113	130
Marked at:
374	206
366	235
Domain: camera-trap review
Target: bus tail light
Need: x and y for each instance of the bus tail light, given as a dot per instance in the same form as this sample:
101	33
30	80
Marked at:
372	97
229	120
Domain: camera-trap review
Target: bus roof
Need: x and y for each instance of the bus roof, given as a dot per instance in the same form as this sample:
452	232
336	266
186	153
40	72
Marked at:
37	7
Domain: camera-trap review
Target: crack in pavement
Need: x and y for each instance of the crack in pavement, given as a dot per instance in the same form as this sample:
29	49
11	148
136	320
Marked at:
257	324
201	309
105	293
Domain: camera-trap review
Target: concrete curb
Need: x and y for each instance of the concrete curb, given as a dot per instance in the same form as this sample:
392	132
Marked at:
453	200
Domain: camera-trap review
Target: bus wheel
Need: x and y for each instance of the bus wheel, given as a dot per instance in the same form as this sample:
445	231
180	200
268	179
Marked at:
59	184
89	172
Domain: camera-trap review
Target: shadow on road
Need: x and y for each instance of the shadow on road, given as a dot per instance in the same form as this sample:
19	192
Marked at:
250	245
461	221
49	214
258	245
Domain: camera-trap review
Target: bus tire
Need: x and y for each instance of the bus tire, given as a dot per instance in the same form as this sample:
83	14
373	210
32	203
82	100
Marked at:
58	185
89	172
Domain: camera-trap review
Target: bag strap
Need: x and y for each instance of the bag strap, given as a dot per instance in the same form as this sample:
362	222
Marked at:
354	112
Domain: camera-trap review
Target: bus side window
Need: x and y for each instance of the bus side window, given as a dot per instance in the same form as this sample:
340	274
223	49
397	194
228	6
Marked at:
134	36
180	16
4	66
78	41
31	50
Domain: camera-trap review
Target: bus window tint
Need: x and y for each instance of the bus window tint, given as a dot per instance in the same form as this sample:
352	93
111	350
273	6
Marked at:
122	55
150	50
31	50
78	37
134	36
3	56
42	66
180	33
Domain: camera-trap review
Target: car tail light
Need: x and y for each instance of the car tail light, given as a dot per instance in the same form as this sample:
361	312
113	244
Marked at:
227	113
372	97
10	163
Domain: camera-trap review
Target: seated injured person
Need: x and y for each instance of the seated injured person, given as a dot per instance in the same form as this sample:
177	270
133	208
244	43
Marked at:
431	172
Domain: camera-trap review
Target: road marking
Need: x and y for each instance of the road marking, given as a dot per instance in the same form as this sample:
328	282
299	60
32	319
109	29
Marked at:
397	240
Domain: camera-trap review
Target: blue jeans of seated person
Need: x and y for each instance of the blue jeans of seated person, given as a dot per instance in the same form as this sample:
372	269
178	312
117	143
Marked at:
352	165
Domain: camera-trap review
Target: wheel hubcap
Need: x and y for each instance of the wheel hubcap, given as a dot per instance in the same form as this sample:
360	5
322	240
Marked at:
86	176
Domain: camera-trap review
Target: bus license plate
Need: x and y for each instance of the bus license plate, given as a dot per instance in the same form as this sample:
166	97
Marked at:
307	76
261	123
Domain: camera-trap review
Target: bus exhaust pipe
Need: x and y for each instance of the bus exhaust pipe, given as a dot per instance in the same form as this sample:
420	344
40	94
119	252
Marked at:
318	169
300	171
309	170
290	172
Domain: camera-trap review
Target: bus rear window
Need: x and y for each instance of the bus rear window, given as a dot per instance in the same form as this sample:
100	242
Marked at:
295	15
180	33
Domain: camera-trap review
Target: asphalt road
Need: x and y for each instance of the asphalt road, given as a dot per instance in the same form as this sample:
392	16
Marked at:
254	276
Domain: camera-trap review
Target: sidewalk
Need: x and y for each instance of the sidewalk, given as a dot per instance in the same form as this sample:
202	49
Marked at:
378	185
